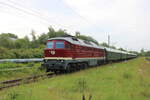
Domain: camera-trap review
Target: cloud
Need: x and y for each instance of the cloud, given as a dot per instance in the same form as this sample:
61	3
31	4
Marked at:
15	21
21	21
127	21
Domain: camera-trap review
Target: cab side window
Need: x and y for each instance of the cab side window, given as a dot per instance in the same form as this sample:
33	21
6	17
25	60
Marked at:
60	45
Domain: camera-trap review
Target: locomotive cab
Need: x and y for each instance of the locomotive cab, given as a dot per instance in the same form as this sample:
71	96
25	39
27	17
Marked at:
56	54
57	49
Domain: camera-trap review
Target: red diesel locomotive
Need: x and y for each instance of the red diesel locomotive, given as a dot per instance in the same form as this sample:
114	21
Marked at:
69	53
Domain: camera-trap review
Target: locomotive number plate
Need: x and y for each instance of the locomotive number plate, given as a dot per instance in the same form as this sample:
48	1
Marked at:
52	52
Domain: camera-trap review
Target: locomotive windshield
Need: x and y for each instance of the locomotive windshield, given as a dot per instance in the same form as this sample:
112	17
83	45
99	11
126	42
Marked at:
60	45
50	45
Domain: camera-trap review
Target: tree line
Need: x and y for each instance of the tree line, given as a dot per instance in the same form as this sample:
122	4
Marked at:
13	47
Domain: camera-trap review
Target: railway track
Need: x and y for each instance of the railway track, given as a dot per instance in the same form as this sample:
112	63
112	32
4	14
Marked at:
147	58
19	81
14	69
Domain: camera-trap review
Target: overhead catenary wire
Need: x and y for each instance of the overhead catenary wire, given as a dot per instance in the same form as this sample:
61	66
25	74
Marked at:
17	15
41	17
37	12
83	18
31	10
77	13
24	10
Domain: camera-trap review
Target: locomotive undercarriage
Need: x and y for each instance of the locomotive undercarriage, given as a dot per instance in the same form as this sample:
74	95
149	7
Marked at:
69	65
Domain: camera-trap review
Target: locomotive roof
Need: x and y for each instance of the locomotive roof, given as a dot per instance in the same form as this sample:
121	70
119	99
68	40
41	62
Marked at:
77	41
74	40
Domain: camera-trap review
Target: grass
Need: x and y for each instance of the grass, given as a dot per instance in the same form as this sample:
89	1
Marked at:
7	65
10	65
32	69
128	80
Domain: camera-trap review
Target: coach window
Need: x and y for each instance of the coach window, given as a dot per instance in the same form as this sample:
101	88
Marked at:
60	45
50	45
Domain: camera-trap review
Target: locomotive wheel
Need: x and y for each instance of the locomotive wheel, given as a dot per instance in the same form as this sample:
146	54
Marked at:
74	67
56	72
47	70
68	70
85	65
82	66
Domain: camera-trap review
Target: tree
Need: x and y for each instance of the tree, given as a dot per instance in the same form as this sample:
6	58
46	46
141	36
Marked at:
147	53
142	52
77	34
6	54
52	33
60	32
7	40
121	49
104	44
86	38
33	35
22	43
10	35
43	38
34	42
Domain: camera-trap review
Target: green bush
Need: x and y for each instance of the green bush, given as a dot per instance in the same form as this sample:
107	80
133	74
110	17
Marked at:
21	53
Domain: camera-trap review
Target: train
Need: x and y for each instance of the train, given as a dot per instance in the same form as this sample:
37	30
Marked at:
68	53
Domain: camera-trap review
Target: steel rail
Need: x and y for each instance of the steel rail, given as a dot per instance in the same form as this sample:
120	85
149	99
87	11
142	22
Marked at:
26	80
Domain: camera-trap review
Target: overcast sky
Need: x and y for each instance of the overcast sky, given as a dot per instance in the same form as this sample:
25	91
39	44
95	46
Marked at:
126	21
